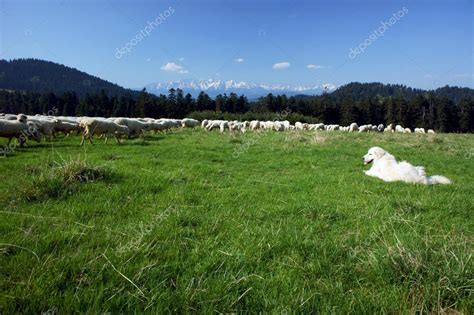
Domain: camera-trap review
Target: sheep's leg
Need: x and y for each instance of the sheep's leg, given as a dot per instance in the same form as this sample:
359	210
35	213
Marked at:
106	138
22	141
90	138
117	138
82	140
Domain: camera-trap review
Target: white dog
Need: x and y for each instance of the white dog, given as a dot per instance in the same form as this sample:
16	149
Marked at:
386	167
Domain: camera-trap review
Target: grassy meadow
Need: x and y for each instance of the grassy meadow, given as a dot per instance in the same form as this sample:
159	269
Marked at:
195	221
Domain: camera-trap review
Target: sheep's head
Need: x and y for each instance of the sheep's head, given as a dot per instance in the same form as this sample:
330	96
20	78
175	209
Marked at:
21	118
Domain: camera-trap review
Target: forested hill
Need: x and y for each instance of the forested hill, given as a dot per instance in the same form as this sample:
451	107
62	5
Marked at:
34	75
356	91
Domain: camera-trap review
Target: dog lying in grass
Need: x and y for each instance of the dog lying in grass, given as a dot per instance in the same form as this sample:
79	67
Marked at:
387	168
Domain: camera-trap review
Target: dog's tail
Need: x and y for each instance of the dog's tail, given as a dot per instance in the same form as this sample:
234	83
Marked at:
438	179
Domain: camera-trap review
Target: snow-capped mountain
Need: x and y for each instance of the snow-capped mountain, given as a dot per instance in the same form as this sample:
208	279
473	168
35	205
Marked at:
249	89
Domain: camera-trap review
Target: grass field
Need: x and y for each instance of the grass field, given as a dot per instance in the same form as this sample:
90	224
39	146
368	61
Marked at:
196	221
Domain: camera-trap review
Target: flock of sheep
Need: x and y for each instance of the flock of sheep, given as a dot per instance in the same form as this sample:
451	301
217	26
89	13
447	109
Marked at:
24	127
285	125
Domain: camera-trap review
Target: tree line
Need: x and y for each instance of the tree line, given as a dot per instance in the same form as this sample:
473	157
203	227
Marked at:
423	109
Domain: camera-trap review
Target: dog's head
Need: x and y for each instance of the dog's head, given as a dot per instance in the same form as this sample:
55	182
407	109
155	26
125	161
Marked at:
374	154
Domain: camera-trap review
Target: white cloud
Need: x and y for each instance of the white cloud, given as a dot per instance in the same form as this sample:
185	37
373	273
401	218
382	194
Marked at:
313	67
239	60
172	67
281	65
181	58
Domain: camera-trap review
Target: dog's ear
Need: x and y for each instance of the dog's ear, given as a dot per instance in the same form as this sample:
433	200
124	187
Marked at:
379	152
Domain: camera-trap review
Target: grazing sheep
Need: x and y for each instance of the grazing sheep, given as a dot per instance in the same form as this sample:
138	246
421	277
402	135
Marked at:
104	127
189	123
46	126
135	127
237	126
155	126
67	127
380	128
224	125
286	125
389	128
420	130
407	130
12	129
298	126
170	123
364	128
254	125
204	123
431	131
353	127
316	126
278	126
399	129
213	124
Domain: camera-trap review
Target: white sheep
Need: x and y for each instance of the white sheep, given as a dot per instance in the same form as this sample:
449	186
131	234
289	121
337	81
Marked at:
254	125
364	128
353	127
389	128
224	125
135	126
12	129
67	127
46	126
213	124
399	129
104	127
189	123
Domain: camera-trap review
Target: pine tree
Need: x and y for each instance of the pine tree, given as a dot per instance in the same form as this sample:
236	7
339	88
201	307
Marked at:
441	109
203	102
348	112
466	115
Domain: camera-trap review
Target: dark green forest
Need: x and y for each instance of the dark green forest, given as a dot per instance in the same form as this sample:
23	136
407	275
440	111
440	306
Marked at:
423	110
61	90
36	75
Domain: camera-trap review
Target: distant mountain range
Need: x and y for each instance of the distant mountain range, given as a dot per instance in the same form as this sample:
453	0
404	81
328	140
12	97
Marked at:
36	75
249	89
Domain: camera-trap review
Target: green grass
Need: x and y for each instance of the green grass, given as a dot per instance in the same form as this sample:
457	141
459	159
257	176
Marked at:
196	221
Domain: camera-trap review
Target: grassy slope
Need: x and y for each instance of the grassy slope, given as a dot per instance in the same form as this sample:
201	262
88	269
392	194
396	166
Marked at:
292	223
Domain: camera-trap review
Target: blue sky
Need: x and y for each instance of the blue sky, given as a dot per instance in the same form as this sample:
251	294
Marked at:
430	44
